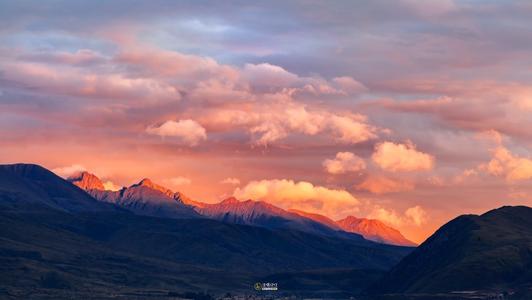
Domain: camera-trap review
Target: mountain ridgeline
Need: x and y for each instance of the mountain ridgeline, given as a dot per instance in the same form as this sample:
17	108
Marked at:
64	239
492	251
59	242
150	199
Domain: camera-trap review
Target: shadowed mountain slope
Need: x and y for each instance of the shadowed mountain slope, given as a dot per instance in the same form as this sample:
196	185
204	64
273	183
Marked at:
490	251
82	252
34	186
260	213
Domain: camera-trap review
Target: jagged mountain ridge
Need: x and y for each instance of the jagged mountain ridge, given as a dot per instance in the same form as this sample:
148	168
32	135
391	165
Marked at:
143	198
58	240
148	198
260	213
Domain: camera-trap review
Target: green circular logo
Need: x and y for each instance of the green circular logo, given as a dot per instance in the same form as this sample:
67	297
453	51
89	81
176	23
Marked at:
258	286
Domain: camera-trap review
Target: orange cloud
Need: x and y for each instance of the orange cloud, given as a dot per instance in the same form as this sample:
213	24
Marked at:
415	215
401	157
302	195
344	162
189	132
508	165
382	185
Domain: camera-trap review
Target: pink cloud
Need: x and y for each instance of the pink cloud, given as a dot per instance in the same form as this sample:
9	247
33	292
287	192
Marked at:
344	162
349	85
506	164
269	76
401	157
84	83
189	132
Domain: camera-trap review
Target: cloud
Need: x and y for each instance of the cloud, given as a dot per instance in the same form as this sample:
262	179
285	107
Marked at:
349	85
278	117
69	171
189	132
415	215
80	57
344	162
476	106
268	75
387	216
270	103
281	120
492	135
89	83
511	167
378	184
231	181
401	157
110	186
350	129
300	195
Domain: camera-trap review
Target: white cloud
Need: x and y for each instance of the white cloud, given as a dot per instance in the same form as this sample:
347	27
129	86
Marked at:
300	195
344	162
189	132
401	157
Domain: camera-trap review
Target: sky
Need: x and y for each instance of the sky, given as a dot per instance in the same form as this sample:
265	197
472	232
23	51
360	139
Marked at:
411	112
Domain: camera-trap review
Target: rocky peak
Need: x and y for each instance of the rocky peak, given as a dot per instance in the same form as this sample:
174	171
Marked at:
87	181
230	200
148	183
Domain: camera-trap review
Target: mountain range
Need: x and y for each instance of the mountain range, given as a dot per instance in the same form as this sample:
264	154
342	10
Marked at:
59	242
65	239
150	199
